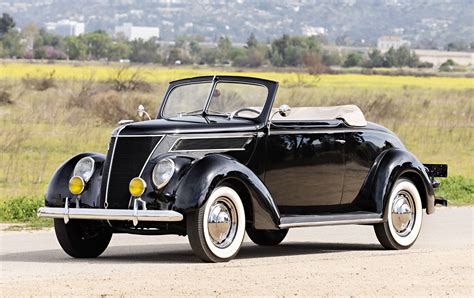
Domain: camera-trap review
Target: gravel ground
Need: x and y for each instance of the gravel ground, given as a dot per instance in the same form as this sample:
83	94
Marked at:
342	260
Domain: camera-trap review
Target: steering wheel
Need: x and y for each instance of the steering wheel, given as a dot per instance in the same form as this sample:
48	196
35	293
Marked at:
235	113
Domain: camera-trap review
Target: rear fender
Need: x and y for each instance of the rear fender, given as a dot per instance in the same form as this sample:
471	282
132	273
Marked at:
58	187
201	179
391	165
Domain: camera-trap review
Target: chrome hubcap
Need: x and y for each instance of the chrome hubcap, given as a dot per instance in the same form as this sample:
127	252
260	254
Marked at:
403	213
222	222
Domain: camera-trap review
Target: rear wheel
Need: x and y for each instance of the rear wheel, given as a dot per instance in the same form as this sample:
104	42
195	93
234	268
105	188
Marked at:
83	238
216	230
266	237
405	214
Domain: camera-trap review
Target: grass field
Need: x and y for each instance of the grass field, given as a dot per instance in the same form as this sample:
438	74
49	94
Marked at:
50	112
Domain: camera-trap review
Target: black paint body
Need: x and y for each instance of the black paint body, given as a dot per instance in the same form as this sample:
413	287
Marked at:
279	169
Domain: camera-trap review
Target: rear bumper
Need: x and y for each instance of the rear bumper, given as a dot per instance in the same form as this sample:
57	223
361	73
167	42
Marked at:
110	214
437	170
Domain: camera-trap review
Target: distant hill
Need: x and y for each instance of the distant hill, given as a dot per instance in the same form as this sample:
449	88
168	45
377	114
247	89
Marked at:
432	23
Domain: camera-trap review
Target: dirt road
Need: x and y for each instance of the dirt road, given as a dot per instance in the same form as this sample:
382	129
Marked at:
344	260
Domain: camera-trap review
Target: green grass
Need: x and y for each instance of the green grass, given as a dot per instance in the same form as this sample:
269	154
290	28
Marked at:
21	212
458	190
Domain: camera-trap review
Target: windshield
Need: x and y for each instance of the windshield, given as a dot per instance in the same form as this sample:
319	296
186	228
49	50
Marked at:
230	99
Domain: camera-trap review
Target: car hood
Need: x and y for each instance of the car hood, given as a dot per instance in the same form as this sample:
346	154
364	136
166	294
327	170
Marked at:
191	124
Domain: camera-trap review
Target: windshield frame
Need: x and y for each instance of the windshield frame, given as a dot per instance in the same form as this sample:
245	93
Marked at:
266	108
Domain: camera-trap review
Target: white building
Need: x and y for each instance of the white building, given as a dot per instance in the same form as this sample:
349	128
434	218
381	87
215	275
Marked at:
66	28
313	31
384	43
135	32
439	57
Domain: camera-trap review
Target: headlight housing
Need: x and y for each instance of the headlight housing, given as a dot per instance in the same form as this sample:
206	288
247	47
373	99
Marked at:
162	172
84	168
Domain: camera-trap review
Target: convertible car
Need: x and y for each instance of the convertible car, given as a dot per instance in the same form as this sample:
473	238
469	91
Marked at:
219	162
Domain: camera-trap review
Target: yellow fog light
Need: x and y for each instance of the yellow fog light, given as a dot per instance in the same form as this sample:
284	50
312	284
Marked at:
137	186
76	185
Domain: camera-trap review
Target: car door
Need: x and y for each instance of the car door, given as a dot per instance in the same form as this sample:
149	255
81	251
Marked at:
305	169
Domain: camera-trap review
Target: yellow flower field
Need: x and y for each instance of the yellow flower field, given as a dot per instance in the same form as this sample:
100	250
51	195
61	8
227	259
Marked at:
163	75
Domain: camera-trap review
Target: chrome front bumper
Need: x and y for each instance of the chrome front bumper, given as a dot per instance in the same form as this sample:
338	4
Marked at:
110	214
134	215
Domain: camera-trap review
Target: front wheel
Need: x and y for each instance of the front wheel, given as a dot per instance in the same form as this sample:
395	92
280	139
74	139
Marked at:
216	230
83	238
404	217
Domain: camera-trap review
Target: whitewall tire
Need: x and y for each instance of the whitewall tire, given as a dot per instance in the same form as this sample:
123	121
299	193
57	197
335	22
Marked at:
216	230
404	213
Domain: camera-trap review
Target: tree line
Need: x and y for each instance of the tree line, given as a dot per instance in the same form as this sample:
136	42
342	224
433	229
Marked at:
284	51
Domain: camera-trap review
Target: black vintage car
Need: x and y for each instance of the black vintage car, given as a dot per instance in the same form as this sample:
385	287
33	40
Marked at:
218	161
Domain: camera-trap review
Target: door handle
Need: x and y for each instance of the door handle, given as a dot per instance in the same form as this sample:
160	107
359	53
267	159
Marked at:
341	141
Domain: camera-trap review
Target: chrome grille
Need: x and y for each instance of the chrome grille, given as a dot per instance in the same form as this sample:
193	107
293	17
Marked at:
128	159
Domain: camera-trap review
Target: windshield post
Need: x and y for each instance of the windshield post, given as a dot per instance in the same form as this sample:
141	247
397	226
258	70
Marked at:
209	97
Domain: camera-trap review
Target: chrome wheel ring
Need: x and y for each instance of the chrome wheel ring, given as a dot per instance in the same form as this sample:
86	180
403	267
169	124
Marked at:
403	213
222	222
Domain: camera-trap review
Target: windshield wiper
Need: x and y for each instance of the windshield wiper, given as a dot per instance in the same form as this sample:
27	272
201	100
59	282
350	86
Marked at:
191	113
217	113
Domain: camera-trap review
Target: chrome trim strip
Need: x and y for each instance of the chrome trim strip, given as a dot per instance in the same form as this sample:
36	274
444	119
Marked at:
208	150
212	137
140	136
332	223
321	130
110	214
106	202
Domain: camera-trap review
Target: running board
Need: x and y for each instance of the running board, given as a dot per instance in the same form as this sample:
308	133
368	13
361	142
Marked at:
297	221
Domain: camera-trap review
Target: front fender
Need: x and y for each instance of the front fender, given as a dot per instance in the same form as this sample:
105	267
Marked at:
390	166
201	179
58	186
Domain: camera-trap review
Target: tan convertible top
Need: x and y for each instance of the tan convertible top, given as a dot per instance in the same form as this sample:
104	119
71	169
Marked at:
350	114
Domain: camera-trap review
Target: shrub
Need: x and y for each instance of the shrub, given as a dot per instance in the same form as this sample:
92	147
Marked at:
448	65
20	209
82	99
40	84
125	79
425	65
314	63
353	59
109	107
5	98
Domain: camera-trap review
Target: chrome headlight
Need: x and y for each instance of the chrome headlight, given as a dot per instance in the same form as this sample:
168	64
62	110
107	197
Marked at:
84	168
163	172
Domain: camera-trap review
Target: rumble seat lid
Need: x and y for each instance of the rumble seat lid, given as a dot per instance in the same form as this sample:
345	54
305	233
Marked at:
350	114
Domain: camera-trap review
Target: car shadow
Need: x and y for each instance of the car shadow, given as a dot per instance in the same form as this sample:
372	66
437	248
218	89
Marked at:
302	248
182	253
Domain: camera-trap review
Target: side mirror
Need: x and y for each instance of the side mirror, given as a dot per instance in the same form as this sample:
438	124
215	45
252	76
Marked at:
284	110
141	112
